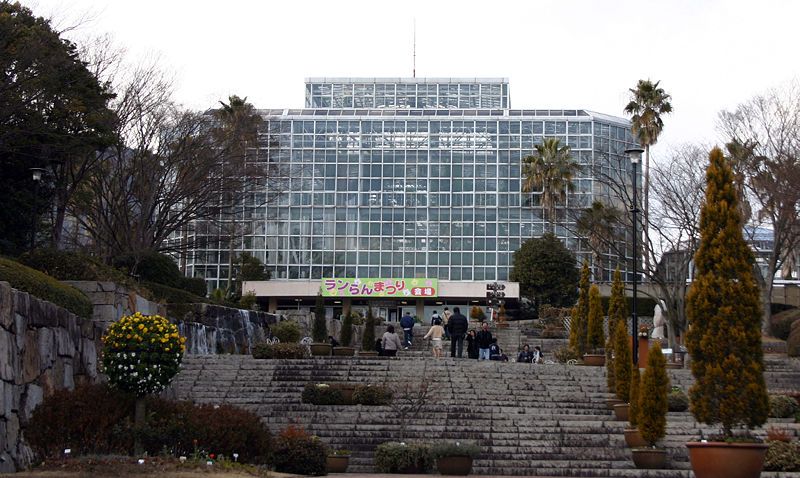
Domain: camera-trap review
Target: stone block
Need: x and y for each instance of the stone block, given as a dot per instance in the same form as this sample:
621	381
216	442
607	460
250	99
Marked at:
6	399
105	312
47	352
9	358
21	302
12	430
19	328
31	364
6	304
39	316
68	379
33	396
6	462
64	344
88	358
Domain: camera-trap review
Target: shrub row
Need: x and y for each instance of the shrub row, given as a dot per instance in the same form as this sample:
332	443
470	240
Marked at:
68	265
335	394
782	456
161	269
263	350
45	287
300	453
782	406
96	419
394	457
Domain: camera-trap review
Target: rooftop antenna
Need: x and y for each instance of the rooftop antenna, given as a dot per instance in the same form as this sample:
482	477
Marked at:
414	70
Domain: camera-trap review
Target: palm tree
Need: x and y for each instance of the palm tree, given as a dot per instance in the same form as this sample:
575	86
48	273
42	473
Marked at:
597	223
550	170
648	103
237	128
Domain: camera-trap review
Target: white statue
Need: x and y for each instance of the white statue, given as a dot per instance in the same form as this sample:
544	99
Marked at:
658	321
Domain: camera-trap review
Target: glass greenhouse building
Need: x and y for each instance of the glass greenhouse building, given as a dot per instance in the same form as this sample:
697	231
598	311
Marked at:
411	178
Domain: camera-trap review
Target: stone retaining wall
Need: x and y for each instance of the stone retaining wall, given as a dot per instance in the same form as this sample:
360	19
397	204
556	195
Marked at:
112	301
43	348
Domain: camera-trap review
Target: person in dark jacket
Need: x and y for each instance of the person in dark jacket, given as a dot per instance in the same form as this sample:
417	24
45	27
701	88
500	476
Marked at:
484	342
496	353
407	323
525	356
472	345
458	327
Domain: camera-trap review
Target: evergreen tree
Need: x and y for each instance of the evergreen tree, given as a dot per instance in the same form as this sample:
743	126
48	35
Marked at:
622	361
546	272
653	402
595	337
319	329
346	335
617	312
724	313
580	314
633	397
368	337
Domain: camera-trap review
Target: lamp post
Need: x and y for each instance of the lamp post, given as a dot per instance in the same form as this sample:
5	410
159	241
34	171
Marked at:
36	174
636	157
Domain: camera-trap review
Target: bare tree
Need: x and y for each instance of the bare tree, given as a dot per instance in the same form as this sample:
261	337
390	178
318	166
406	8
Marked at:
408	399
764	135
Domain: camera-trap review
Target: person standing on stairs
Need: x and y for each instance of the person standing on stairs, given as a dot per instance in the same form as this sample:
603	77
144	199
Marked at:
407	323
434	318
472	345
458	328
446	314
484	342
390	342
435	333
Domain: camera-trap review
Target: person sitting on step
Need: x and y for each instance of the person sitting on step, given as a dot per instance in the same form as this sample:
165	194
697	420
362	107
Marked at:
525	355
495	353
538	356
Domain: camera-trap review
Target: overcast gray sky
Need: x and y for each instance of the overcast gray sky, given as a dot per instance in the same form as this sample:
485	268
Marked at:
708	55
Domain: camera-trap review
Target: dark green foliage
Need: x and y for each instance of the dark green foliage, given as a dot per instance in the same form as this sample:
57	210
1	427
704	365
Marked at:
653	404
393	457
319	329
782	323
263	350
781	406
633	398
300	453
677	400
248	301
622	361
251	268
724	314
152	266
170	295
595	335
322	394
69	265
372	395
580	314
51	108
449	448
564	354
287	331
546	271
368	337
782	456
793	342
95	419
346	334
617	312
45	287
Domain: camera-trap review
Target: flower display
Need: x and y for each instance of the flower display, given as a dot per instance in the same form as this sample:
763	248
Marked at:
141	353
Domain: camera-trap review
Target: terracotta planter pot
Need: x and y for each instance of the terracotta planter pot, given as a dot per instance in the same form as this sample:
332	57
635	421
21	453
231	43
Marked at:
367	353
594	360
320	349
726	460
633	438
650	458
674	366
454	465
644	351
621	412
610	402
347	392
344	351
337	463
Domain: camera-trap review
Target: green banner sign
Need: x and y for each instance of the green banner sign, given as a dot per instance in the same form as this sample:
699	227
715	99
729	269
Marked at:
399	288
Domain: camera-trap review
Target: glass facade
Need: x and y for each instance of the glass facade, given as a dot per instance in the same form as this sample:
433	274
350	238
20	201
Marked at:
410	192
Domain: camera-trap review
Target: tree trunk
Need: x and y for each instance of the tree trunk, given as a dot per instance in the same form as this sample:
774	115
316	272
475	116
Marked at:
139	423
765	286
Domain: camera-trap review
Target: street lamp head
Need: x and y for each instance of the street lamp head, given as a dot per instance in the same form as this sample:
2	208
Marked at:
37	173
635	154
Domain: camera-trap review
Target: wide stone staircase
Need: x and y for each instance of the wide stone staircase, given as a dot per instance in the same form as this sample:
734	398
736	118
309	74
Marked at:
535	420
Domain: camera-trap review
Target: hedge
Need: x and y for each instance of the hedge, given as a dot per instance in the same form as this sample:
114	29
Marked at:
45	287
161	269
67	265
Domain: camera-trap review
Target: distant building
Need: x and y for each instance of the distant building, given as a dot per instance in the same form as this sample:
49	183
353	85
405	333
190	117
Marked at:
411	178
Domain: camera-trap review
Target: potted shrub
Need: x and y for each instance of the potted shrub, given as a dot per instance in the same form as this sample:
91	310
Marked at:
580	315
319	330
651	413
677	400
595	337
632	436
394	457
454	458
724	336
622	369
346	337
617	311
337	461
368	336
298	452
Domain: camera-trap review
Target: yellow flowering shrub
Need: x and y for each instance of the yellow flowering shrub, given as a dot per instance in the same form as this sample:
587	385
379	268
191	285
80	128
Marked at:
141	353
